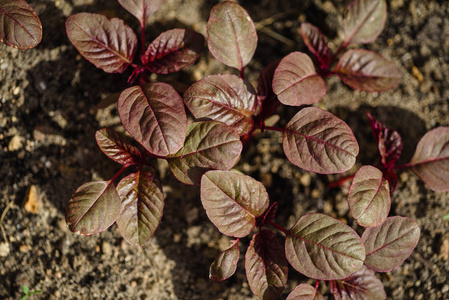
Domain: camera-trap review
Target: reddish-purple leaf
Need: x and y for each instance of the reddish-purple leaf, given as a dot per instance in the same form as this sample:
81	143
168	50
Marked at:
369	197
296	82
431	159
305	292
364	20
318	141
233	201
109	44
142	205
316	43
173	50
231	35
266	98
154	115
224	98
388	245
225	264
93	208
117	147
208	145
141	9
270	214
324	248
389	142
266	265
20	26
361	285
367	71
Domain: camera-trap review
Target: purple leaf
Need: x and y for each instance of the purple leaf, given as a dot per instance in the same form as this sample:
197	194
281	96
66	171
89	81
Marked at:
266	265
388	245
389	142
324	248
224	98
270	214
318	141
316	43
431	159
231	35
225	264
266	98
369	197
20	26
363	284
142	206
367	71
233	201
93	208
208	145
141	9
173	50
117	147
154	115
305	292
364	20
109	44
296	82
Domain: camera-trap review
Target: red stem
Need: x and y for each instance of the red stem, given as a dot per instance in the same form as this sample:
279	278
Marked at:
403	166
279	227
142	37
119	172
274	129
340	181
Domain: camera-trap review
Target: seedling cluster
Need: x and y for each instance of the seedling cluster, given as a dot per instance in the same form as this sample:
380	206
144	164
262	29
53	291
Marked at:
229	111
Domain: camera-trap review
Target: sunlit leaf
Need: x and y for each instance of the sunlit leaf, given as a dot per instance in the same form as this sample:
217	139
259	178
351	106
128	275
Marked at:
93	208
20	26
141	9
367	71
369	197
225	264
305	292
109	44
431	159
324	248
117	147
388	245
225	98
173	50
364	20
296	82
363	284
233	201
208	145
231	35
317	141
154	115
266	265
142	205
316	43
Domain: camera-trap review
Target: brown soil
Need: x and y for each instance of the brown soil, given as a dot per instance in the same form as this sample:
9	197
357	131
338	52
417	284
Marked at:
51	105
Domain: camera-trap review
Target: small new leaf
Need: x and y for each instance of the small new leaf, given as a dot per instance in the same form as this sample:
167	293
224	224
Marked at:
233	201
173	50
225	98
369	197
117	147
324	248
93	208
141	9
225	264
431	159
20	26
109	44
142	206
388	245
317	141
296	82
316	43
231	35
266	265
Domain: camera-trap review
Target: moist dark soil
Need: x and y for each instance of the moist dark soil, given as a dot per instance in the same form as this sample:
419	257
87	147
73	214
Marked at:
52	101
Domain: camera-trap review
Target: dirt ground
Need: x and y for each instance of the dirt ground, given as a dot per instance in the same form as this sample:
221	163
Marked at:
52	101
